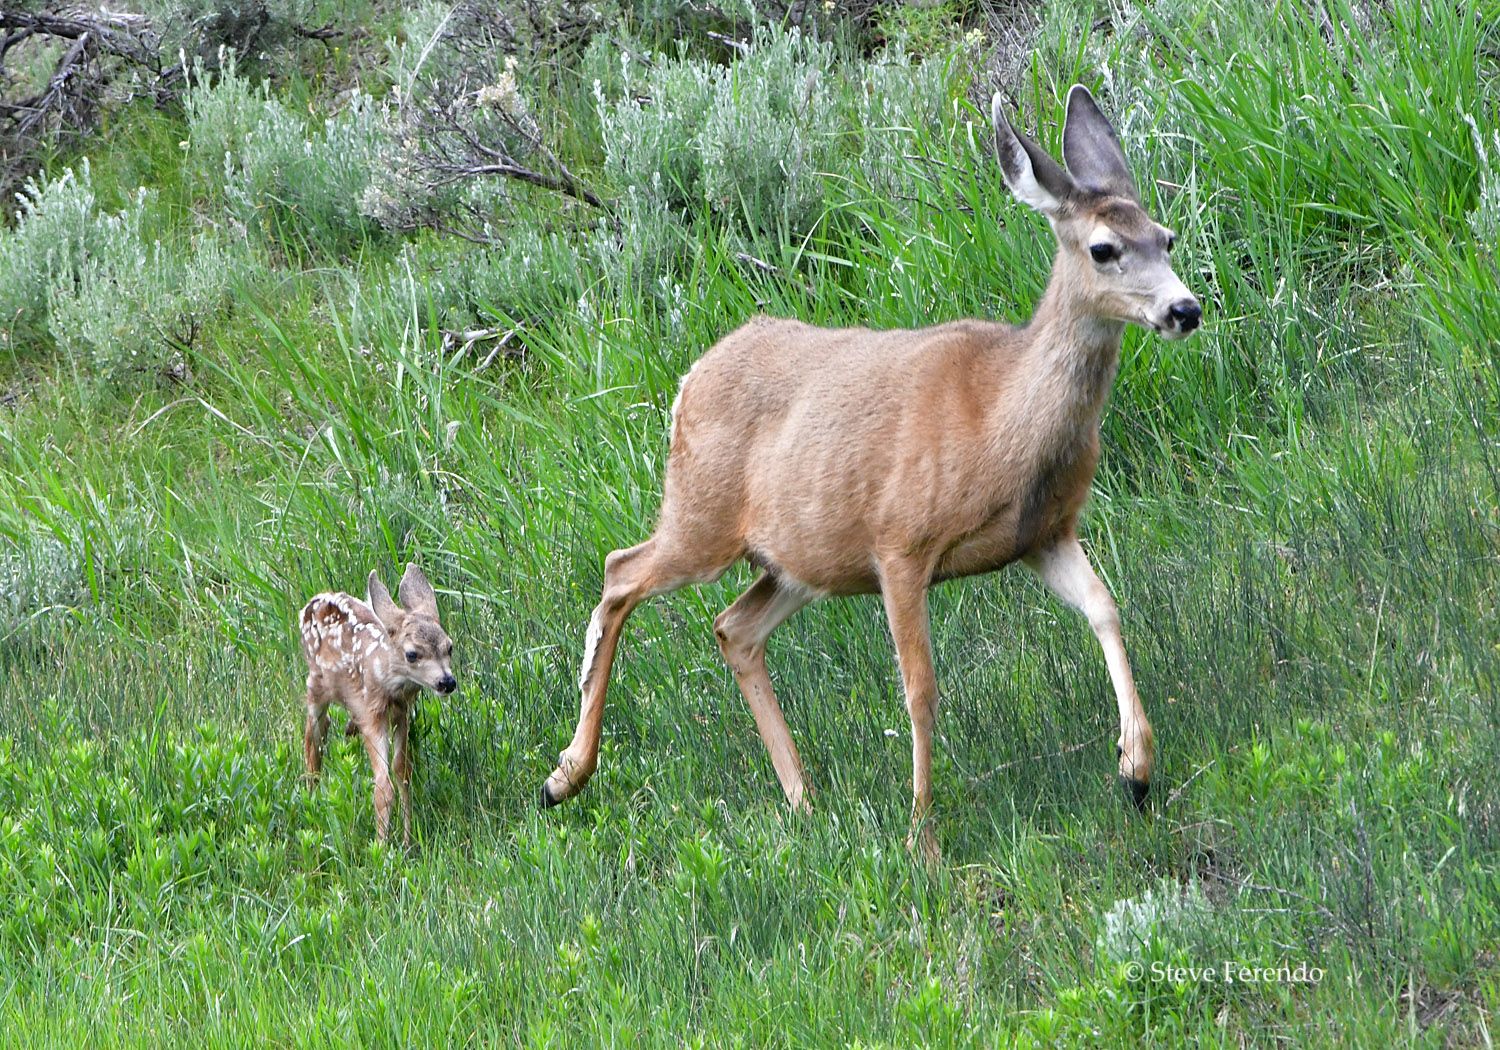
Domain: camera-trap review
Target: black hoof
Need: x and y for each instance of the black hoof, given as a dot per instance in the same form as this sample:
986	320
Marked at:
547	801
1136	791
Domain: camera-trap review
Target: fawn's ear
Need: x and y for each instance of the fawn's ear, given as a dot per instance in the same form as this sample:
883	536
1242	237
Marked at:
380	603
416	593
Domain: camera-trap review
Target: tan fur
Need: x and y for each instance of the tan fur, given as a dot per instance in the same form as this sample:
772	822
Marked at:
357	657
849	461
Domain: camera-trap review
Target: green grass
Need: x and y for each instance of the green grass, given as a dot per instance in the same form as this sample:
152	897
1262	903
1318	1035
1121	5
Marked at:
1297	511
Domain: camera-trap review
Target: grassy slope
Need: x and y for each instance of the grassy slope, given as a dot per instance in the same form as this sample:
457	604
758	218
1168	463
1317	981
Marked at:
1297	513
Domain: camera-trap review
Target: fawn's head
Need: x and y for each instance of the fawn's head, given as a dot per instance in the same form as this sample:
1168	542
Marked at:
1115	254
424	652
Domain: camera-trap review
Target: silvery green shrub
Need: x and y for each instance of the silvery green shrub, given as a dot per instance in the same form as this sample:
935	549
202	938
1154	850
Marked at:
54	229
1485	218
1167	917
528	275
107	294
759	140
898	103
646	243
751	139
268	165
132	304
38	575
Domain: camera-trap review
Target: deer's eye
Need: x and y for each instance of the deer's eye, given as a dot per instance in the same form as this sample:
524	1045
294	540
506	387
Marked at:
1171	241
1104	253
411	656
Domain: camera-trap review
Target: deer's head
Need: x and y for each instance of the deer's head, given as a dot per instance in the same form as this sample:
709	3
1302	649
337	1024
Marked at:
1116	256
423	650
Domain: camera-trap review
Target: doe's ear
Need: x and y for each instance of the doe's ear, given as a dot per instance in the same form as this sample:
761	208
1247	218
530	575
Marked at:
416	593
379	600
1092	150
1030	172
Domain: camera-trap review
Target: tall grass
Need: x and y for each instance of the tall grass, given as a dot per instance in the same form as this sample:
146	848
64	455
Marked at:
1296	512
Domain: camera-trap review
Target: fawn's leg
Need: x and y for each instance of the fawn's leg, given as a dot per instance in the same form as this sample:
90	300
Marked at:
904	589
377	738
1066	570
401	767
314	732
742	630
630	577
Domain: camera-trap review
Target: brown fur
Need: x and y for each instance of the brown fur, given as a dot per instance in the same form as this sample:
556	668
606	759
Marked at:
358	657
849	461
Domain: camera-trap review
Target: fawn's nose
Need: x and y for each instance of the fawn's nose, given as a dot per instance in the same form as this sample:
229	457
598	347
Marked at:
1185	314
447	684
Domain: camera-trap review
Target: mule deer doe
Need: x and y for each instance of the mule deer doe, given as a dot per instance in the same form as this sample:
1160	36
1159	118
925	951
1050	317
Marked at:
851	461
372	657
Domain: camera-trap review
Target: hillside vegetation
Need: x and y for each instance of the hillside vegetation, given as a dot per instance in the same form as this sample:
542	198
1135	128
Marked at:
422	289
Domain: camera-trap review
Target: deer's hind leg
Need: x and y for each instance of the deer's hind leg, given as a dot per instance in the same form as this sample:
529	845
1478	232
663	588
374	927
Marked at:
314	732
630	577
742	630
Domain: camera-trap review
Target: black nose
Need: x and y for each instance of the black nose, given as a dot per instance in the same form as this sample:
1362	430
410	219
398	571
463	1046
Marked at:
1186	313
447	684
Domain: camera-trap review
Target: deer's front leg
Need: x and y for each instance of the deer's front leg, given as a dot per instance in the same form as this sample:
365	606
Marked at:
401	767
377	738
1066	570
904	589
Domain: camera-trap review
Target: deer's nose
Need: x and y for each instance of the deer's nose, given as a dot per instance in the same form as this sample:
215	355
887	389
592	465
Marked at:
1186	313
447	684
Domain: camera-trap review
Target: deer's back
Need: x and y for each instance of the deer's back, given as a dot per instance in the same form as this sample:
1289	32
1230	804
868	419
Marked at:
819	448
347	652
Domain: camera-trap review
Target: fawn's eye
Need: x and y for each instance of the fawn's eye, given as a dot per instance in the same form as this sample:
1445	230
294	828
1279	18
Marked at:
1104	252
411	656
1171	241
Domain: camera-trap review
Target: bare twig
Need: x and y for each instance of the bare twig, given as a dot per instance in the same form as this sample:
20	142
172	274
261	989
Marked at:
1181	788
461	120
759	264
563	182
469	337
327	31
127	35
75	88
69	67
728	41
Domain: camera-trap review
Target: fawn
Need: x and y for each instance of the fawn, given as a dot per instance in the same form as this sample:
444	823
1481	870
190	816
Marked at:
850	461
372	657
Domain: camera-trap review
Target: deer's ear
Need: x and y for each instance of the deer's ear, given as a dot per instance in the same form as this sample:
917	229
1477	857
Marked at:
416	593
380	603
1092	150
1030	172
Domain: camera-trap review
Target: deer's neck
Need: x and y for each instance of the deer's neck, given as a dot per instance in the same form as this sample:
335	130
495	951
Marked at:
1074	352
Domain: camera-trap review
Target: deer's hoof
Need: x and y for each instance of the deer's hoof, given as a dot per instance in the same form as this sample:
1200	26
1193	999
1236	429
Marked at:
557	788
1136	791
922	842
